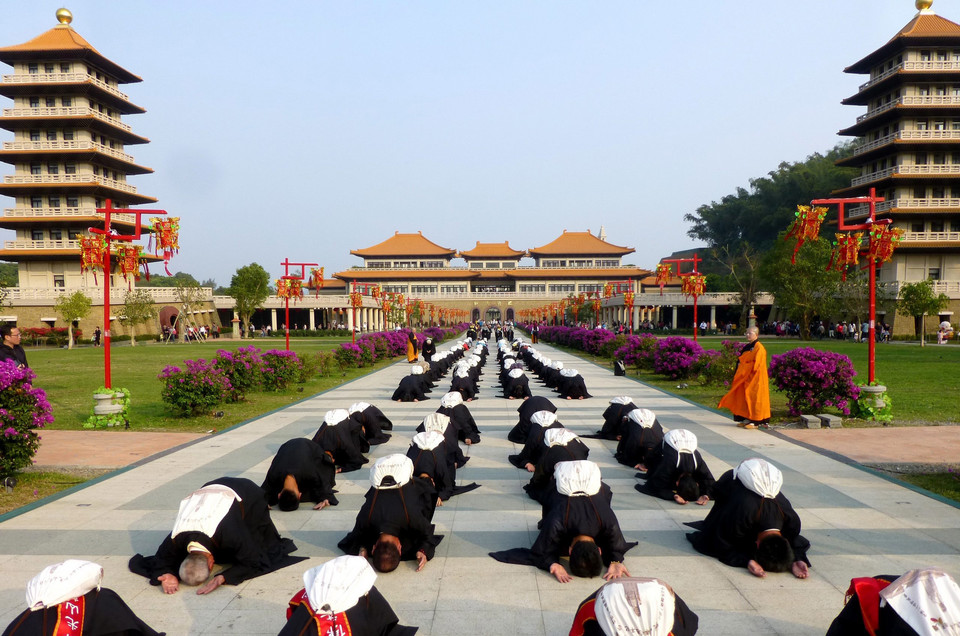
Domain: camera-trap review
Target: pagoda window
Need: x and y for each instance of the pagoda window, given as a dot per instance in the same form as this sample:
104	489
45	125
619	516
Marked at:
33	68
423	289
939	125
50	102
56	235
49	68
73	235
939	158
96	170
453	289
73	202
608	263
590	287
36	235
936	226
58	281
492	265
66	101
941	56
923	90
533	288
34	135
476	265
916	226
69	168
562	288
34	102
919	192
36	202
68	135
553	263
941	90
64	67
51	135
53	168
53	202
581	263
98	202
938	193
922	124
36	168
924	56
933	273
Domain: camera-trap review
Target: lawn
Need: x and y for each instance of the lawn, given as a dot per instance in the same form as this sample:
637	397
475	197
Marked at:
32	486
71	377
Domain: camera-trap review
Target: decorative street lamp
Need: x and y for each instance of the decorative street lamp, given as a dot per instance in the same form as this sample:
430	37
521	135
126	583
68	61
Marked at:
693	283
290	285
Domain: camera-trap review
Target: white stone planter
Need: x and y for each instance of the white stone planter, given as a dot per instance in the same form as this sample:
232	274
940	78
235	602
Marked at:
104	404
875	395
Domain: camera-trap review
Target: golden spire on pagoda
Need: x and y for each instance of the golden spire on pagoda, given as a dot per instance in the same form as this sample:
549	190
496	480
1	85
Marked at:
924	5
64	16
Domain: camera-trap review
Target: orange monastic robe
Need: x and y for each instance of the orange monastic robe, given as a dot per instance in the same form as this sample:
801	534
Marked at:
749	394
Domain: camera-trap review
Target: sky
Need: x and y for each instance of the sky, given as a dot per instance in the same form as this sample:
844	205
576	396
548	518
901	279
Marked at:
304	130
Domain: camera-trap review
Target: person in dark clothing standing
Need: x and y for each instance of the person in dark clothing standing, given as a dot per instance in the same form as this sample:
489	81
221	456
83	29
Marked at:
10	348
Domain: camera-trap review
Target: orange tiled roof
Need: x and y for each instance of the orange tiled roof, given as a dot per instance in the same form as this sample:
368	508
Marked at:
63	41
925	27
405	245
579	243
492	250
405	274
620	273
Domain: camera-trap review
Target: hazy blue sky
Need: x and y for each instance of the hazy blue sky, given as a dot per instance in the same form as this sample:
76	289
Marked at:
307	129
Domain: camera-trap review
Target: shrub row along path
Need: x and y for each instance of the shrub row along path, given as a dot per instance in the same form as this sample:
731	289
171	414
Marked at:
859	523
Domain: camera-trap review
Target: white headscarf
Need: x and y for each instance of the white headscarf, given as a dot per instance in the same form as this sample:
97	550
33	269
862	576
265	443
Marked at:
515	373
759	476
428	440
682	441
398	466
579	478
556	364
204	509
543	418
463	371
416	370
356	407
335	416
635	606
569	373
622	399
436	422
61	582
643	417
928	600
451	399
339	584
558	437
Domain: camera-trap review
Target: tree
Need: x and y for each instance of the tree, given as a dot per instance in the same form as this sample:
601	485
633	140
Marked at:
9	276
156	280
917	300
805	290
138	308
76	306
250	286
743	271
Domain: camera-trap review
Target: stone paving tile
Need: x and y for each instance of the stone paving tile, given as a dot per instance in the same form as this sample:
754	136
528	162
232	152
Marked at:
859	524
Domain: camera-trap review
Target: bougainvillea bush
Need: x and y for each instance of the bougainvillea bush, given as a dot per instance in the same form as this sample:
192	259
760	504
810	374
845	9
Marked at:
638	351
243	368
194	388
718	366
23	409
675	357
280	369
814	379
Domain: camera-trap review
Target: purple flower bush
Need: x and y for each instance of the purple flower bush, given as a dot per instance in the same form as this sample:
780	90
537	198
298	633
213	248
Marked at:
243	368
718	366
348	355
814	379
280	369
196	388
638	351
675	357
23	409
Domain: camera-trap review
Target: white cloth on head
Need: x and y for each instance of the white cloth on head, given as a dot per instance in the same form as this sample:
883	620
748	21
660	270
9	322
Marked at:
203	510
759	476
682	441
335	416
428	440
622	399
356	407
543	418
463	372
515	373
558	436
338	584
928	600
643	417
556	364
61	582
437	357
569	373
451	399
579	478
635	606
416	370
397	466
436	422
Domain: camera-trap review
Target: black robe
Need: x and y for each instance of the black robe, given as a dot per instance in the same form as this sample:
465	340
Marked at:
404	512
440	469
105	614
685	622
371	616
564	519
246	538
518	434
850	622
455	456
374	423
314	471
572	388
729	533
340	440
640	445
429	349
542	482
463	422
662	481
534	447
613	425
410	389
517	388
467	387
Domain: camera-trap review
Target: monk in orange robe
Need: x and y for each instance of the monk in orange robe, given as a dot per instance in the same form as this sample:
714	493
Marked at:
749	395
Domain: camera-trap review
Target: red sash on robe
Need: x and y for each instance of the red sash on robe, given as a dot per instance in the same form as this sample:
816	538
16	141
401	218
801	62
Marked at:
70	617
867	590
327	625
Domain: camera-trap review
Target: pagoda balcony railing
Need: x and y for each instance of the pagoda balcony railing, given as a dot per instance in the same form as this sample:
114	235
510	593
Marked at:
117	292
931	237
67	111
36	146
912	100
462	268
931	169
61	212
84	177
940	65
885	206
63	78
907	135
42	245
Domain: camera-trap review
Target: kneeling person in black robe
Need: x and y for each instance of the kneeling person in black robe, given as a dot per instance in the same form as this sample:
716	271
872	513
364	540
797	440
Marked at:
634	606
451	405
534	447
372	421
681	474
338	436
226	521
516	385
411	387
562	446
571	386
577	521
614	418
518	434
640	445
66	598
339	598
430	457
301	469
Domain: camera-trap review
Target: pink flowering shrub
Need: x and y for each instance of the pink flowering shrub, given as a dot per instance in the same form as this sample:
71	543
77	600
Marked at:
348	356
280	368
23	408
717	366
194	389
638	351
675	357
243	368
814	379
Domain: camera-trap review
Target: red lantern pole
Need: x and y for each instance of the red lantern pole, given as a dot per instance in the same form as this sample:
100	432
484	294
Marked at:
871	200
106	232
287	276
695	272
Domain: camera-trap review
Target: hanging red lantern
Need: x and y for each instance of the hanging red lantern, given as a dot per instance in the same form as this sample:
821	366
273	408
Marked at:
694	285
664	271
628	299
167	231
607	290
806	226
92	250
356	300
316	280
128	262
376	292
846	252
291	288
883	240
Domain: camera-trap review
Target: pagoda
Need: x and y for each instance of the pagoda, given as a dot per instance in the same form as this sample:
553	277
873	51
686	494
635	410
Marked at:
908	148
68	153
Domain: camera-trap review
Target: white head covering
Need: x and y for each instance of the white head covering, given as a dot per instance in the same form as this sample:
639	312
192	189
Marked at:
428	440
682	441
61	582
455	347
356	407
416	370
473	361
338	585
437	357
436	422
558	437
556	364
643	417
397	466
515	373
760	476
335	416
543	418
463	371
451	399
569	373
204	509
928	600
622	399
579	478
635	606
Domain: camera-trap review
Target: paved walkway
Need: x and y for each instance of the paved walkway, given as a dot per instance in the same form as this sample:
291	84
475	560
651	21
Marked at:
859	524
